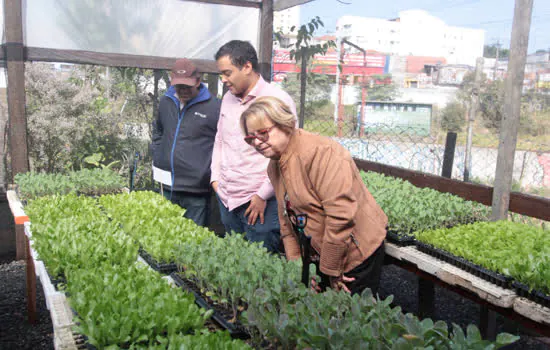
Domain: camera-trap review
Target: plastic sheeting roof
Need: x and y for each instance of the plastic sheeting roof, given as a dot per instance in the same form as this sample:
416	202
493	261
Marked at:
164	28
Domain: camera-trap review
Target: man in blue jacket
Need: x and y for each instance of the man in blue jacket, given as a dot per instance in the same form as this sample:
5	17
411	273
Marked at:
183	138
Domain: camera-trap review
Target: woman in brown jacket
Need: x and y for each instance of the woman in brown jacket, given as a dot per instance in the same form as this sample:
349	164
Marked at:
316	177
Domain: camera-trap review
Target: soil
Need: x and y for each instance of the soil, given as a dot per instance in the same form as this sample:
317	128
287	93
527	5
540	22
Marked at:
17	333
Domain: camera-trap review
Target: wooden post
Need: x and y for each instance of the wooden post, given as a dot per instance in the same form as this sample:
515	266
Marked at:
303	83
449	155
511	111
426	296
474	107
213	84
266	39
487	322
157	73
14	53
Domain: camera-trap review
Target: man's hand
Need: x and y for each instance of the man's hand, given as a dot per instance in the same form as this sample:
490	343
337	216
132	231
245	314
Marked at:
215	186
255	209
339	283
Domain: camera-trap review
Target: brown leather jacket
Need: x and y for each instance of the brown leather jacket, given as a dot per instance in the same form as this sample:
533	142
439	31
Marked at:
321	179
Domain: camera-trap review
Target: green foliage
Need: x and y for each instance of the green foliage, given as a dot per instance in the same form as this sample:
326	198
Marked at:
453	117
121	305
69	232
305	34
317	94
291	316
518	250
89	182
153	221
231	269
78	119
380	87
205	341
410	208
490	51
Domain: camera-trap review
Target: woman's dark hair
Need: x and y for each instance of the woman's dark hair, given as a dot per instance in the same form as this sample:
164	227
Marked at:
239	52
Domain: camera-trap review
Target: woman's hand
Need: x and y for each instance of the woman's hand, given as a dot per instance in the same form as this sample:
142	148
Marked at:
339	283
255	210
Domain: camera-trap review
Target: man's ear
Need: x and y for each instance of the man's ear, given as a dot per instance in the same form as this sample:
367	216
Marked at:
247	68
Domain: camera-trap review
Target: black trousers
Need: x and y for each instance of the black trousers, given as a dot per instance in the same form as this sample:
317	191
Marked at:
366	274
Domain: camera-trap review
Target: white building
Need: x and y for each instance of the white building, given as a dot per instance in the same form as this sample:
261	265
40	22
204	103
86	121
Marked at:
284	20
414	33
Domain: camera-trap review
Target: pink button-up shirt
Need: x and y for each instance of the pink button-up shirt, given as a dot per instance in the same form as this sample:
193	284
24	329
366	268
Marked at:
241	172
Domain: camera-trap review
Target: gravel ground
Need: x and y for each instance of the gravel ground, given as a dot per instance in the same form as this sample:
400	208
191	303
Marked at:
17	333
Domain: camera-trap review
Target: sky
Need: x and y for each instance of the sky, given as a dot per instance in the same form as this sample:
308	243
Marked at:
493	16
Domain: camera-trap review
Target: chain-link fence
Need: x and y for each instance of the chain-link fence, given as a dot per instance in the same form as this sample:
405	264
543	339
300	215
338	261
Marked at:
406	147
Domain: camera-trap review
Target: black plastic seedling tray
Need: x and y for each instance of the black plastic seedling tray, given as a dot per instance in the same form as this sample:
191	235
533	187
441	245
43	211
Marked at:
221	316
163	268
476	270
532	294
400	239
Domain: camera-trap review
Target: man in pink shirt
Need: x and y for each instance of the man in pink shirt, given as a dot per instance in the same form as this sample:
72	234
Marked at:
239	173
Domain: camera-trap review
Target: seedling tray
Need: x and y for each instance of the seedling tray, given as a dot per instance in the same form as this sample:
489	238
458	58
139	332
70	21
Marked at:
476	270
220	315
400	239
163	268
532	294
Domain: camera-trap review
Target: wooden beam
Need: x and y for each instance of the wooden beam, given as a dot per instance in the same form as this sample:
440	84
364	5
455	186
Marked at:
15	63
509	124
521	203
112	59
284	4
266	39
241	3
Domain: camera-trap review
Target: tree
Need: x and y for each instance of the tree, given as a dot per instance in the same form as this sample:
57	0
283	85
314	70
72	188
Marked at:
303	51
55	109
452	117
70	119
491	95
380	87
490	51
535	106
317	93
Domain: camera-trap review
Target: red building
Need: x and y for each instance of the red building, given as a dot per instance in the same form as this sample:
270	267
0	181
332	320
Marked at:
354	64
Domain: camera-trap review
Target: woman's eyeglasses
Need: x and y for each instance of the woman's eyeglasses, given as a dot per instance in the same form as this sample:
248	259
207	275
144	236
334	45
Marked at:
262	135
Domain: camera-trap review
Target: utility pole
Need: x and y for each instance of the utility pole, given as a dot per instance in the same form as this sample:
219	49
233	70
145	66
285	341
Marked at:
337	102
363	82
512	104
474	106
495	69
341	93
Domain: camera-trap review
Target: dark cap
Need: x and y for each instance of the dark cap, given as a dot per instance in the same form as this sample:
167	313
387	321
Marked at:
184	72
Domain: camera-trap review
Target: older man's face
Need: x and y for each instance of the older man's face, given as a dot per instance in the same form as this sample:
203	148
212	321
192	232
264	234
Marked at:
187	92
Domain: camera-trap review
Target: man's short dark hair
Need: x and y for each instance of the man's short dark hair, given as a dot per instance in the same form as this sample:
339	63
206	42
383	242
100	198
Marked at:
239	52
